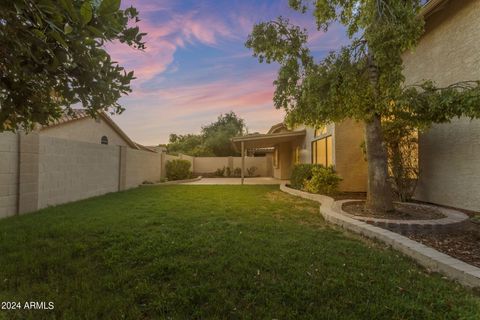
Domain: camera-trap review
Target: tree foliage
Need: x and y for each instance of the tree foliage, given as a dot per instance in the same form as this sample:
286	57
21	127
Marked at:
190	144
401	141
214	140
52	56
362	80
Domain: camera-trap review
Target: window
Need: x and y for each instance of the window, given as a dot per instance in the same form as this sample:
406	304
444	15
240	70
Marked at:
322	151
104	140
320	131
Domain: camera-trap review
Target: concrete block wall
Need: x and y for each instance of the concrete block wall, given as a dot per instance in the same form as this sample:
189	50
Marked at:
74	170
37	171
8	174
142	166
28	171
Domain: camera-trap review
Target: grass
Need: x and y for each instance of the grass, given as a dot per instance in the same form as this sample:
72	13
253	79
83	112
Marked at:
210	252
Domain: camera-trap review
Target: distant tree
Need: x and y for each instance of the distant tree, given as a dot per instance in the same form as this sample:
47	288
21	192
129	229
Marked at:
52	56
215	139
190	144
363	80
218	134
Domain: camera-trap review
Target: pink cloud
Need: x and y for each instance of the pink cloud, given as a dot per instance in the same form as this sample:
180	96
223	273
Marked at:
153	115
163	40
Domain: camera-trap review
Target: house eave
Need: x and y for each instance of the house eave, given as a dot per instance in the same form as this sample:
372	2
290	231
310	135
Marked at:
430	7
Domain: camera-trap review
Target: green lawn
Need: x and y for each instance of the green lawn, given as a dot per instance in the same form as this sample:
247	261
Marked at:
211	252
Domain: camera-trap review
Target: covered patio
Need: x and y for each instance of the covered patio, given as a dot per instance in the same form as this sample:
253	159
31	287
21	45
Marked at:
283	144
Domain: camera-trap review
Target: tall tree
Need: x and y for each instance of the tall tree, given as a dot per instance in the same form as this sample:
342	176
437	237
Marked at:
214	140
52	56
218	134
363	80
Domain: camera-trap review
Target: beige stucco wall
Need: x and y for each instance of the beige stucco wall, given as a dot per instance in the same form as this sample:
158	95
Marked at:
449	154
8	174
210	164
259	162
73	170
86	130
283	169
349	159
142	166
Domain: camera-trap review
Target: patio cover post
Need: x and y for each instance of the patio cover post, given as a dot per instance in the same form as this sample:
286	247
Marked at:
243	161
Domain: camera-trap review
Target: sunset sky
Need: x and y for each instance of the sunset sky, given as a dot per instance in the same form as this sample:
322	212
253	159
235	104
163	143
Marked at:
196	66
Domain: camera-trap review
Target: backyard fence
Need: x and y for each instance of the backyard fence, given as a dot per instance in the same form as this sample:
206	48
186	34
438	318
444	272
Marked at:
38	171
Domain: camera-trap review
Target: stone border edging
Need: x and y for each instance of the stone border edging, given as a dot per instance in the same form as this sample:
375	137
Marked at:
173	182
430	258
451	217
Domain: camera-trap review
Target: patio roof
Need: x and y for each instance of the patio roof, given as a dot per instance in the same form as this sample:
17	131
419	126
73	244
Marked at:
266	140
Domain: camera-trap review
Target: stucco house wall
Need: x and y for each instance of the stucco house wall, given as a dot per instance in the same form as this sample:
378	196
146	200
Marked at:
348	156
86	130
283	169
449	154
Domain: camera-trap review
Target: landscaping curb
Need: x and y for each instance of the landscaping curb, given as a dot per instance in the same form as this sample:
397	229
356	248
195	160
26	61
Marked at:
432	259
173	182
451	217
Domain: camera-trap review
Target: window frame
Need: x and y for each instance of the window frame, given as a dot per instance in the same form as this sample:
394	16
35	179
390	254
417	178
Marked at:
328	155
103	139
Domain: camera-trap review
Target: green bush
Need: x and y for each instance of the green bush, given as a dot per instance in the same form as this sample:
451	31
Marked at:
228	171
220	172
324	181
251	171
178	169
237	172
300	173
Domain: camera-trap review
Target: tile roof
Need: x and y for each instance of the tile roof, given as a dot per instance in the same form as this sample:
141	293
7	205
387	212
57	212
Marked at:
78	114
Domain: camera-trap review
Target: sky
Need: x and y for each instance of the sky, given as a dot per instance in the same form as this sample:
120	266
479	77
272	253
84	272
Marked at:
196	66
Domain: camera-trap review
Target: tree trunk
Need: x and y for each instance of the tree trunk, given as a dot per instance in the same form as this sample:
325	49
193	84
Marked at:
379	195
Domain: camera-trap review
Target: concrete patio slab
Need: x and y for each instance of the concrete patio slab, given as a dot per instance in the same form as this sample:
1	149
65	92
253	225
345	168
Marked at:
235	181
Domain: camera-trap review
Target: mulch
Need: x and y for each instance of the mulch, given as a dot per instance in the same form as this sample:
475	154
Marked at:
460	241
403	211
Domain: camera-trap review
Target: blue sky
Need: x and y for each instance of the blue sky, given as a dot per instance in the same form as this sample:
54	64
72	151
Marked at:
196	67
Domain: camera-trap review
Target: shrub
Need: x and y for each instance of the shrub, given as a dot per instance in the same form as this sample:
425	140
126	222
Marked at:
178	169
228	172
300	173
220	172
237	172
324	181
251	171
401	142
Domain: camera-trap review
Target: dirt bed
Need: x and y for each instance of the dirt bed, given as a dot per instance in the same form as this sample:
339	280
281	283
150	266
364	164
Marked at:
459	241
403	211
